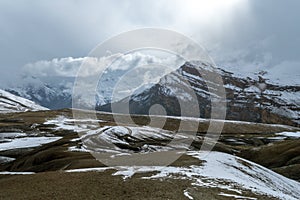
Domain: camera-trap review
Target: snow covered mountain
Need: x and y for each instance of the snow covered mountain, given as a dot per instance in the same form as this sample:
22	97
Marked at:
55	92
52	92
247	99
50	83
12	103
255	99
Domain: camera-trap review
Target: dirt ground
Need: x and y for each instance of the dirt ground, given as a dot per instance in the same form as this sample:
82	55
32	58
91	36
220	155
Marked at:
99	185
88	185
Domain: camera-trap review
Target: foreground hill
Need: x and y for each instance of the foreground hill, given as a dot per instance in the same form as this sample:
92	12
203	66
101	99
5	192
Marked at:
54	153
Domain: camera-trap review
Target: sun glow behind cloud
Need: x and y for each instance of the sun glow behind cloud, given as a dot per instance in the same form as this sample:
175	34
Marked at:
201	13
205	9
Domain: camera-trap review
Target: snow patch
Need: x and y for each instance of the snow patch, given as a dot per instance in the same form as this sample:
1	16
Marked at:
26	142
186	193
16	173
290	134
236	196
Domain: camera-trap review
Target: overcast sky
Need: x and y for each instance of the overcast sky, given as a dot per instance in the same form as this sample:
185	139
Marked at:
254	34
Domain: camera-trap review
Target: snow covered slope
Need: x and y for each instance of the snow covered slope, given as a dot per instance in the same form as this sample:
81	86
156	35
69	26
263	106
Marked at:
224	171
12	103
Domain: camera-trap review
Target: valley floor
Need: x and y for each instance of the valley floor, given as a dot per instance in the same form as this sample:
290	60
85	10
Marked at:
48	155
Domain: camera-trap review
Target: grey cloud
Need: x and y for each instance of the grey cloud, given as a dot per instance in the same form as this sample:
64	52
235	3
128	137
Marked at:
69	67
259	33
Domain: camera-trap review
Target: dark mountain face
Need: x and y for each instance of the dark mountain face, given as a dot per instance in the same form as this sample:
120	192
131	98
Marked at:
246	99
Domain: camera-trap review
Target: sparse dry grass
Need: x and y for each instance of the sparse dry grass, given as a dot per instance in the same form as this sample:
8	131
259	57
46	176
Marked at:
282	157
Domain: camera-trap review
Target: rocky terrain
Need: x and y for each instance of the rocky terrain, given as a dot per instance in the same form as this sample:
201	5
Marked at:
247	99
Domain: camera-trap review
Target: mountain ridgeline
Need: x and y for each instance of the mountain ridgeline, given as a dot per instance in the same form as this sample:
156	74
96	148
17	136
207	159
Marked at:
247	99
